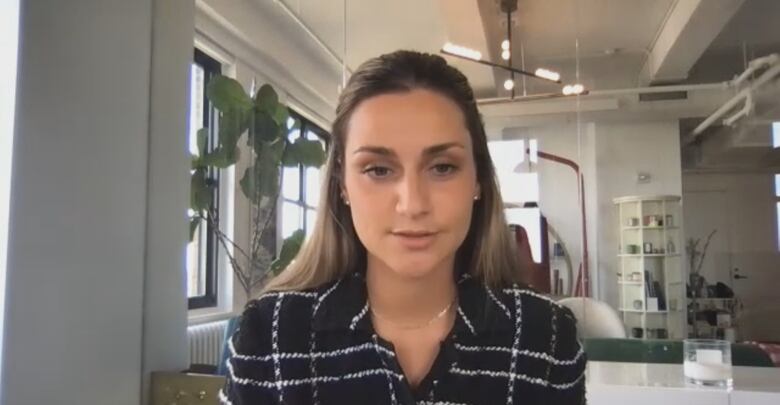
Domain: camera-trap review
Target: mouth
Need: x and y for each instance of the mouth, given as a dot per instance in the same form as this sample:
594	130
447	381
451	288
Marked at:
415	239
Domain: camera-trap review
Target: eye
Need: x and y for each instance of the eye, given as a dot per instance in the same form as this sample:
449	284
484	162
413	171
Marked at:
377	171
444	169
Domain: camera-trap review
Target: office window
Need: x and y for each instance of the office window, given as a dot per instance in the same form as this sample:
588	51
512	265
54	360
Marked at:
203	250
300	185
777	205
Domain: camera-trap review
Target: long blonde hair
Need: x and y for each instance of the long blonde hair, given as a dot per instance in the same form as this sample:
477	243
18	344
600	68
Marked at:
333	250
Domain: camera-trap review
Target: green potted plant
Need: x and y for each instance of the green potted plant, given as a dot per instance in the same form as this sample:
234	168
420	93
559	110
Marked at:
261	119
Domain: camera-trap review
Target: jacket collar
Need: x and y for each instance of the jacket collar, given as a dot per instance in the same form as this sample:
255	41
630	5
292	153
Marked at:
343	306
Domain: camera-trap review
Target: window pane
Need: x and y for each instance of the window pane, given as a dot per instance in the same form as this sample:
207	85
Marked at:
777	185
293	135
291	183
312	186
311	219
196	106
196	263
778	224
292	218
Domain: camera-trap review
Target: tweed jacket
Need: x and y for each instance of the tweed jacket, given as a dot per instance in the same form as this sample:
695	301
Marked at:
318	346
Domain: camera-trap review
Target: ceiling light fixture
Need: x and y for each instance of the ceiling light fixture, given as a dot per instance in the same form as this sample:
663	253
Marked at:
508	7
547	74
573	90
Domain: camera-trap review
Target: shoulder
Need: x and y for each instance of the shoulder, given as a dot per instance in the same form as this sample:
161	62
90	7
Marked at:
273	315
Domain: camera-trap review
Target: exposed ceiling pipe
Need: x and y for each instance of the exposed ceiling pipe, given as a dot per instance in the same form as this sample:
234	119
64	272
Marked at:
741	113
311	34
743	95
607	93
755	65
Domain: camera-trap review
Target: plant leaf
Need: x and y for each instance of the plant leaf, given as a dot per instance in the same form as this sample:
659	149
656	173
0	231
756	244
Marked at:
281	115
227	94
265	128
262	179
201	193
203	137
290	249
194	222
232	123
247	183
221	157
306	152
266	99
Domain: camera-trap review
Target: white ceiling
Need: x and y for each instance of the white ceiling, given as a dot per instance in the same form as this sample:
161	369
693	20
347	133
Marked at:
621	43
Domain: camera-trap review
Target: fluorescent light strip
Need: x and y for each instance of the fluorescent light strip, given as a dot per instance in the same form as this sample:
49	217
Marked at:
462	51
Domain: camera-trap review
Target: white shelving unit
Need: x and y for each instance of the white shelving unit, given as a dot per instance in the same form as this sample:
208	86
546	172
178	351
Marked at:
650	268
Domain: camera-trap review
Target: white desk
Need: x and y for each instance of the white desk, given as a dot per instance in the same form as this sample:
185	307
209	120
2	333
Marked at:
663	384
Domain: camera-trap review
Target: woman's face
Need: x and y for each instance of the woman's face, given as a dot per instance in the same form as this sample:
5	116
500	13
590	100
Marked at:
410	179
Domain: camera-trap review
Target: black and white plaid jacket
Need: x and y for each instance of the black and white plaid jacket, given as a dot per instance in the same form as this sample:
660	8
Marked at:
318	347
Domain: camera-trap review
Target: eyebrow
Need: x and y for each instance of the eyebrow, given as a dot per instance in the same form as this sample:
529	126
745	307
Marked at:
429	151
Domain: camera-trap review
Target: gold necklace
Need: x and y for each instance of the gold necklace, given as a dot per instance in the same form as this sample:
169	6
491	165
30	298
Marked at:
417	326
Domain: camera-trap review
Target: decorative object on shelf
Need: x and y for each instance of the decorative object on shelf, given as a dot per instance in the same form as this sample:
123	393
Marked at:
637	333
265	121
648	248
632	222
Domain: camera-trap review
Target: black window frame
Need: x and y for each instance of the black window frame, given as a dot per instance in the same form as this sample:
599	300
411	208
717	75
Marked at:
211	67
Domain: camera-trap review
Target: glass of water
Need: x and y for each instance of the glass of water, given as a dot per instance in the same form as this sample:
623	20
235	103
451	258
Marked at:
707	362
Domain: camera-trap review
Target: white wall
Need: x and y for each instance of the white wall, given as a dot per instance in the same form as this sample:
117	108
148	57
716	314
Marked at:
167	198
95	214
623	150
742	207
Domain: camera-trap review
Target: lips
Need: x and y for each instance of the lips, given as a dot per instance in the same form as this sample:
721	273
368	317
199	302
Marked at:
415	239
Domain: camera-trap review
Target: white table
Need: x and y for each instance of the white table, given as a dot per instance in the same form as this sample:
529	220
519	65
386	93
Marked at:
663	384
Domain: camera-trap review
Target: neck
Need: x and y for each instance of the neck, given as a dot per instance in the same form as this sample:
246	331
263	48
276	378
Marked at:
409	300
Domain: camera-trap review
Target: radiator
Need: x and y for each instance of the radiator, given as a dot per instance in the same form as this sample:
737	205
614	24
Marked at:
205	342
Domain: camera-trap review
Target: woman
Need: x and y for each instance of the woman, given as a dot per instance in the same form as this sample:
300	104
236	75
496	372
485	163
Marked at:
408	291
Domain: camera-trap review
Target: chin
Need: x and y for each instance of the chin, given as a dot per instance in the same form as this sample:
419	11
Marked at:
412	267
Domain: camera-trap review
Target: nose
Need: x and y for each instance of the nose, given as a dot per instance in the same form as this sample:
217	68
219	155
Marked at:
413	196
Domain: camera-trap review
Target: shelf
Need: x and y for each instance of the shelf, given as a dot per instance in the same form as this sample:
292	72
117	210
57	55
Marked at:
649	255
637	283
